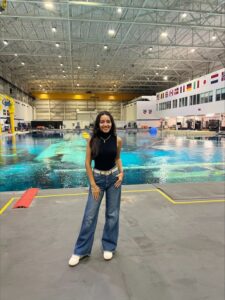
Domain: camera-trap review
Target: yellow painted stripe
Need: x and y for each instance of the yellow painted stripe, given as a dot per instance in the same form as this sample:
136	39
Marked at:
6	205
165	196
61	195
200	201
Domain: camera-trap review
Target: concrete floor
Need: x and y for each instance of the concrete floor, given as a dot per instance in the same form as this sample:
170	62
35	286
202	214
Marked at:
166	251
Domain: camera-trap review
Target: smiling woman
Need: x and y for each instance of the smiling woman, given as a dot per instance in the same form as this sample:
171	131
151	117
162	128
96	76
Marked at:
106	177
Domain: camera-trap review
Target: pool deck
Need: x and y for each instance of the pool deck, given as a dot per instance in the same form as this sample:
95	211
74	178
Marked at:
171	246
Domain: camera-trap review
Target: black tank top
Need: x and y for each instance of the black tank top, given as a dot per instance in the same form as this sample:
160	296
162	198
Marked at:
105	160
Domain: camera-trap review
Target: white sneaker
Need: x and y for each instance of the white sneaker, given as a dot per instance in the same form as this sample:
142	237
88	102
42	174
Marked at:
107	255
74	260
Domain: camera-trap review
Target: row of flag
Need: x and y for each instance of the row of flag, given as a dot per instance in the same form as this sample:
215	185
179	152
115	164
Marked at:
190	86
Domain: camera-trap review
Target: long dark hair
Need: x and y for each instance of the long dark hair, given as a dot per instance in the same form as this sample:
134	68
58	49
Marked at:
95	140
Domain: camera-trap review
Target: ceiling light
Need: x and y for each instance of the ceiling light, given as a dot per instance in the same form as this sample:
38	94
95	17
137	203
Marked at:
164	34
184	15
54	29
119	10
123	75
148	78
156	73
114	85
192	50
166	67
150	48
64	76
49	5
105	47
5	42
214	37
15	54
78	84
97	65
57	45
40	85
22	63
165	77
60	56
63	71
78	67
61	65
111	32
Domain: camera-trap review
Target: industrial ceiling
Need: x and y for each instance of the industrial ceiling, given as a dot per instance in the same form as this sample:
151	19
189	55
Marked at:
138	46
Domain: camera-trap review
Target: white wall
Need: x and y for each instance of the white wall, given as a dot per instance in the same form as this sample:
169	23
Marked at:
205	85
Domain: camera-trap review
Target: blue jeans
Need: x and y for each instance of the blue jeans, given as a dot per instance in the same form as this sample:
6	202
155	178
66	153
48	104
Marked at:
85	239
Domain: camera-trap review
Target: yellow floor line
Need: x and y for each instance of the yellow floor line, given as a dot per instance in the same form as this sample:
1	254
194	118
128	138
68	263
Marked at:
61	195
190	202
6	205
200	201
165	196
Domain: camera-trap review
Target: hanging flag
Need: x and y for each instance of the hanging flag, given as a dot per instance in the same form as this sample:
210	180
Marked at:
214	78
204	81
189	87
180	89
171	92
183	88
198	84
157	96
223	76
166	94
194	85
176	91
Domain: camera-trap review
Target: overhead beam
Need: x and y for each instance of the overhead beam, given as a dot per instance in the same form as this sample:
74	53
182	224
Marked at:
55	18
106	5
205	47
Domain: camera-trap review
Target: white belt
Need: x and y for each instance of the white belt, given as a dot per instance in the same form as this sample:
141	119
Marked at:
105	172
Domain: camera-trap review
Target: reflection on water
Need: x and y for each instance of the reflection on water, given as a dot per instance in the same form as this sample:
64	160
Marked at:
57	161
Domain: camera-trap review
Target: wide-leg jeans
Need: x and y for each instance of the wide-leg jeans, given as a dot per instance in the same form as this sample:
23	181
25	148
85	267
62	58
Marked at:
85	239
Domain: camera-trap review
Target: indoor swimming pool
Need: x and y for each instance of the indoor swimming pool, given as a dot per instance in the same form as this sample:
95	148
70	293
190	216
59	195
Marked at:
57	160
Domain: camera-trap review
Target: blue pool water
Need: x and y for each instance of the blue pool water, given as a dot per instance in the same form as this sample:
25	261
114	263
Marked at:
58	161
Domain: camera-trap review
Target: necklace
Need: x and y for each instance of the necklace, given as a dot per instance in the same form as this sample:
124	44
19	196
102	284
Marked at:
104	140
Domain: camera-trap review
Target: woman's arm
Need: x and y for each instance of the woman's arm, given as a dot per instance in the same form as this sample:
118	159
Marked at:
94	188
119	163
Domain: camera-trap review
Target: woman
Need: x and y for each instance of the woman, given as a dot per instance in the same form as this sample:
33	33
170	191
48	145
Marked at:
104	148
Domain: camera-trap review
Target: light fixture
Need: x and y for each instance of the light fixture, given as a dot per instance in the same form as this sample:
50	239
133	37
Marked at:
105	47
60	56
97	65
114	85
111	32
22	63
57	45
54	29
15	54
64	76
165	77
192	50
150	48
156	73
184	15
49	5
40	85
61	65
166	68
119	10
164	34
78	67
63	71
78	84
214	37
5	42
148	78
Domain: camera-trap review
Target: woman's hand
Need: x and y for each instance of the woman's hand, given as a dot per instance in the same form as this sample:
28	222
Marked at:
95	191
119	180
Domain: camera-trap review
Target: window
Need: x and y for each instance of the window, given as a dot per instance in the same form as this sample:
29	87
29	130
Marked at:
175	103
218	95
223	94
211	96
